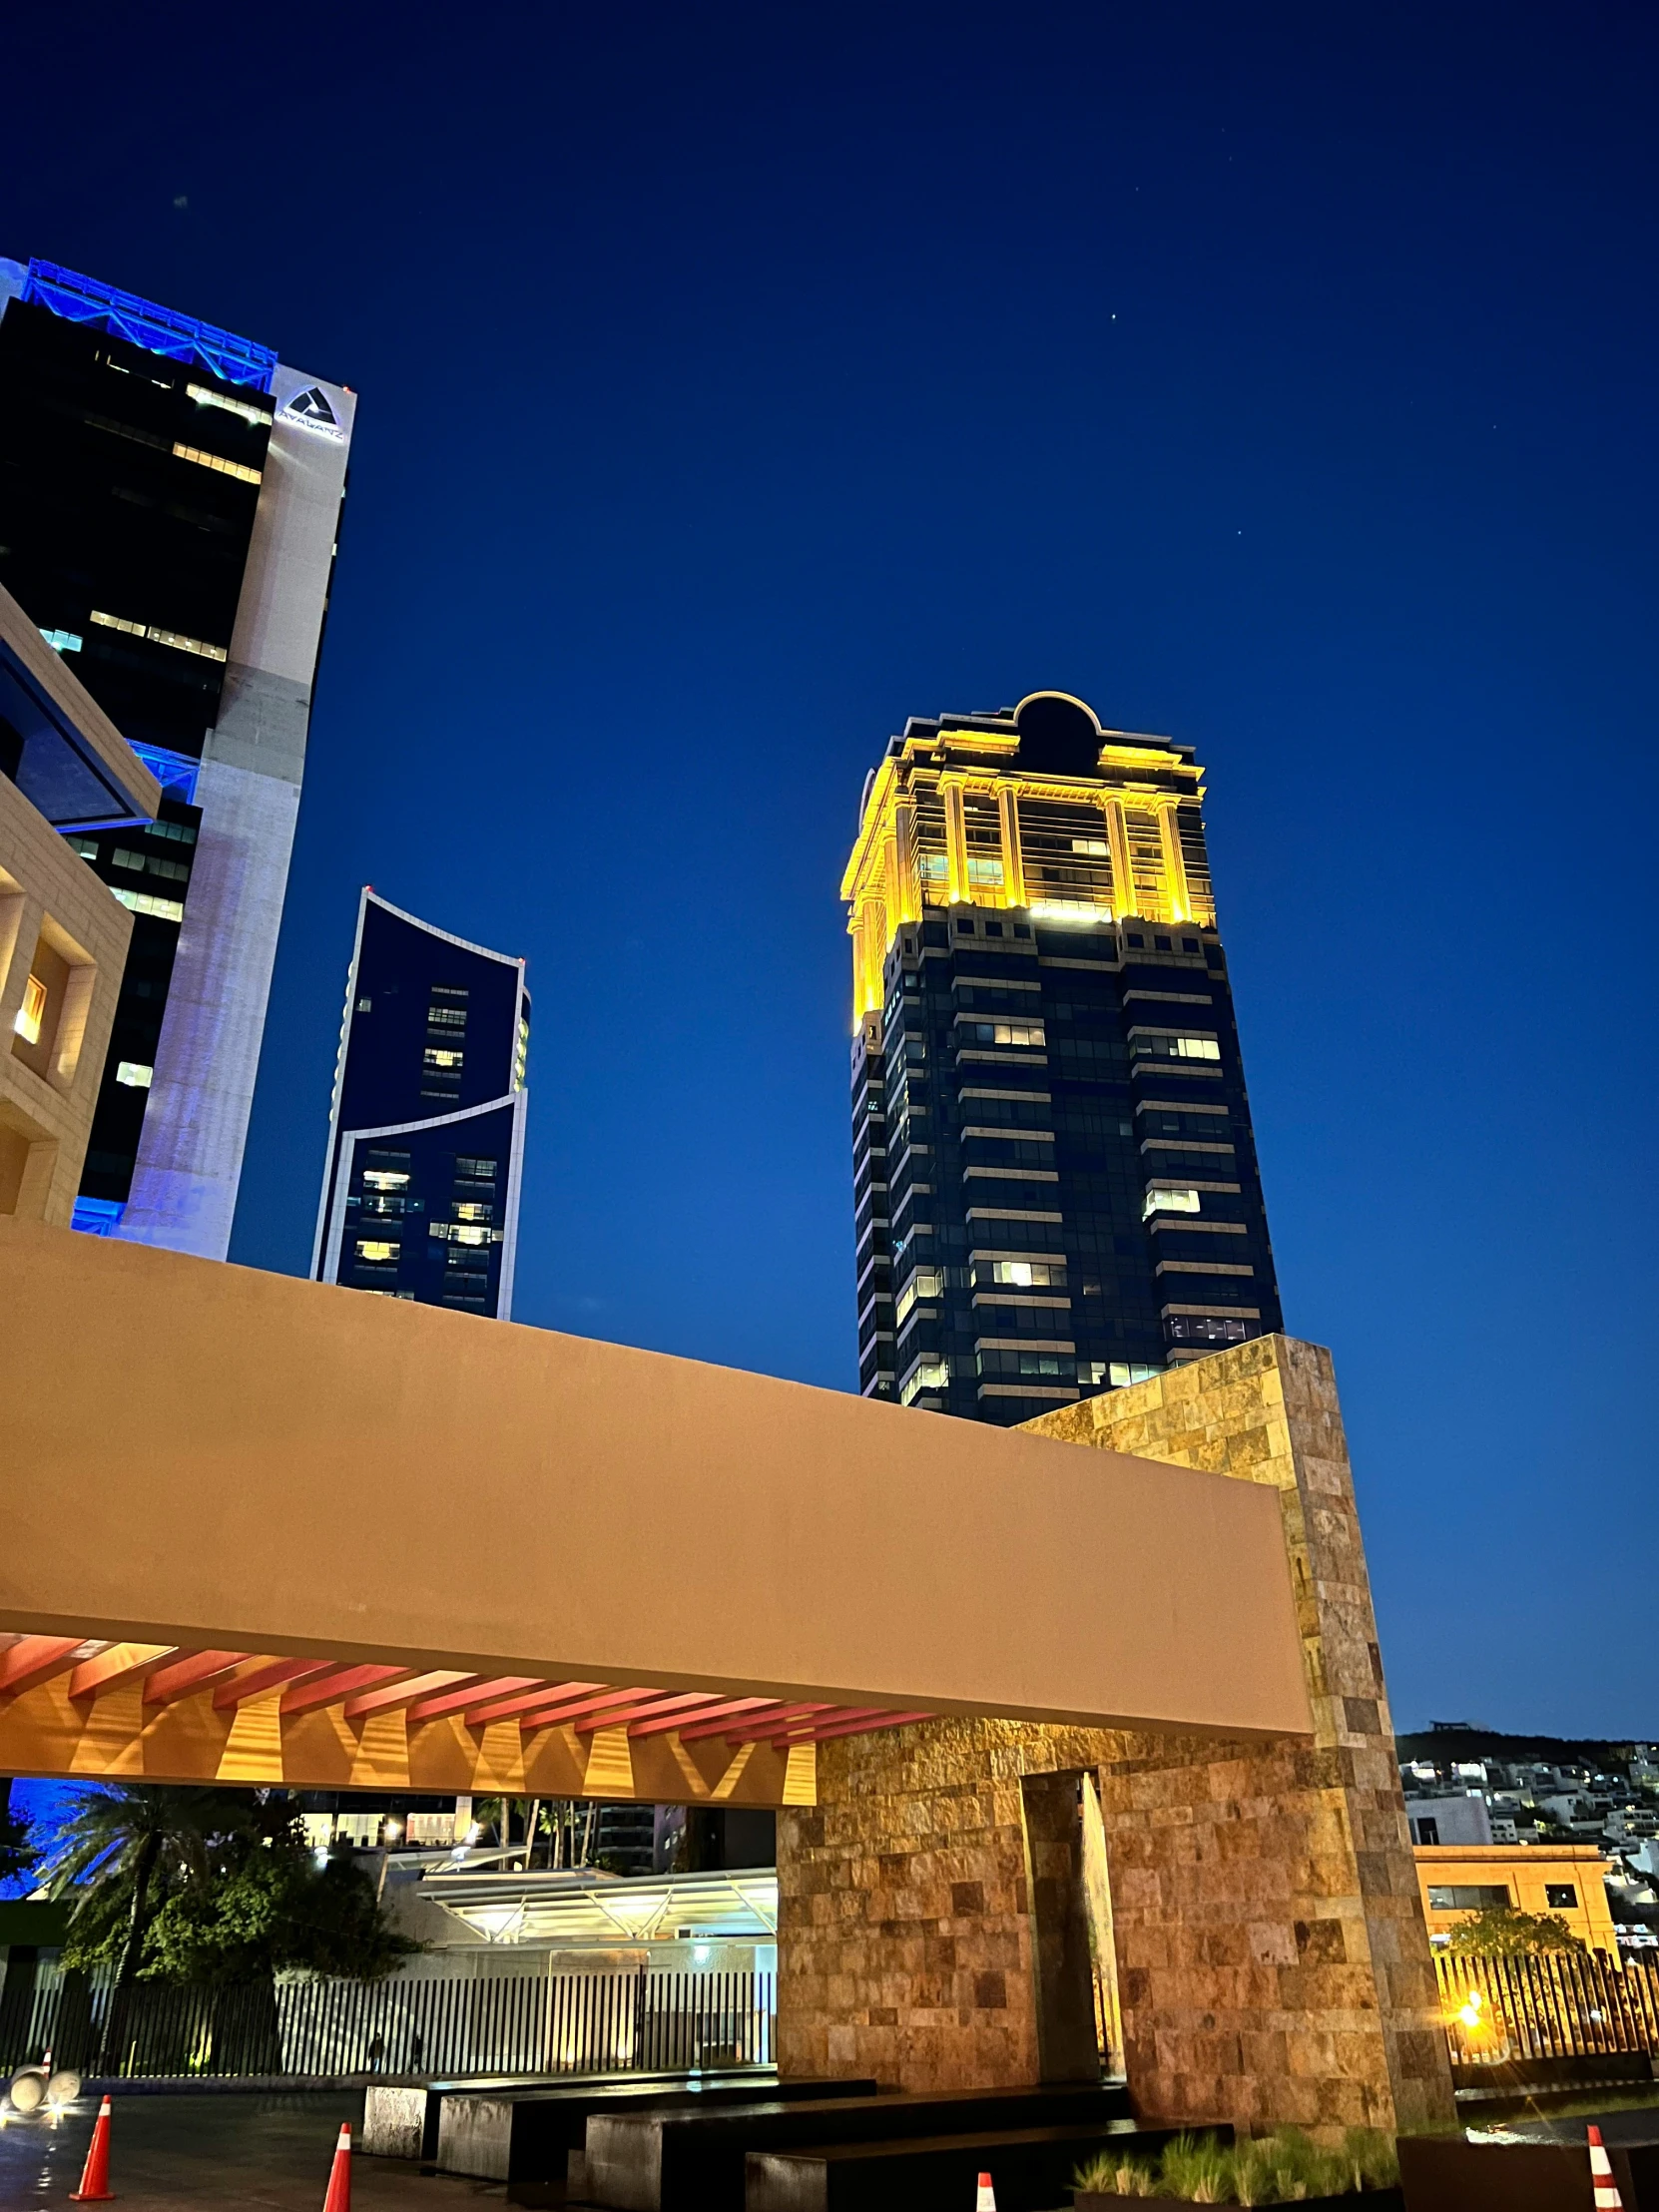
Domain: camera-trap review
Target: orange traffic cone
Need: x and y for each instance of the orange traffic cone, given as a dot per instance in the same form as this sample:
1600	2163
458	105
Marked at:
95	2175
985	2202
338	2198
1601	2176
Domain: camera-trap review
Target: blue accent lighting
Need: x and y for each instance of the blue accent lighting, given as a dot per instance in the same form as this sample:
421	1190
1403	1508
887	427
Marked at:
178	337
175	772
98	1216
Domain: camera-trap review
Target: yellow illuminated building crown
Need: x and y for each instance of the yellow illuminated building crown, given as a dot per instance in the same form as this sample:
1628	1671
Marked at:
1041	808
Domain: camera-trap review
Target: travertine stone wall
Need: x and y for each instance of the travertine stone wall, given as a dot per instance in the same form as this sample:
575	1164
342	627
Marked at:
906	1945
1273	1963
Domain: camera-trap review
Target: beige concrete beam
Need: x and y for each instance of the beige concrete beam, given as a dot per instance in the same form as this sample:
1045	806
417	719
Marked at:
361	1478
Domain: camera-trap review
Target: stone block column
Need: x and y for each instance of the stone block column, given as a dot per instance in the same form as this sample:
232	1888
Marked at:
1272	1961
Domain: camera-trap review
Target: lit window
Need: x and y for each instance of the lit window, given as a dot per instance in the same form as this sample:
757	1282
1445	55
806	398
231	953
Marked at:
483	1171
435	1058
31	1015
181	833
934	867
377	1248
1166	1198
176	638
1467	1896
474	1209
219	462
984	871
1121	1372
141	902
385	1178
1044	1362
924	1283
1096	847
1015	1032
463	1233
931	1374
1070	910
364	1005
1161	1044
133	1074
1029	1275
446	1017
258	416
63	641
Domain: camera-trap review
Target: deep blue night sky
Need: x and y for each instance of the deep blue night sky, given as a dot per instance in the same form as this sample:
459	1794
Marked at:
736	380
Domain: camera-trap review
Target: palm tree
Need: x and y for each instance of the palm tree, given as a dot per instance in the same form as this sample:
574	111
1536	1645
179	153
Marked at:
125	1849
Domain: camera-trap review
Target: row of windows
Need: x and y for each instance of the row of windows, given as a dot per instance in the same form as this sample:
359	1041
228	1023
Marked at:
933	1373
464	1243
218	463
1003	1032
260	417
1163	1044
176	638
144	902
1167	1198
156	863
1206	1329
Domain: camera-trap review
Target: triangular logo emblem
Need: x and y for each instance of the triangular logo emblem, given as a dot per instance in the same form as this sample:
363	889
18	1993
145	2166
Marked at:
310	407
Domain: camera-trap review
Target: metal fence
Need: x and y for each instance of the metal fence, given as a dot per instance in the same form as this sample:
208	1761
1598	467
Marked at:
1546	2004
422	2024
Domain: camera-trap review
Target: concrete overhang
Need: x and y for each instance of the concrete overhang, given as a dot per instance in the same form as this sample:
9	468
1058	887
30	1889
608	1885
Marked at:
206	1458
75	769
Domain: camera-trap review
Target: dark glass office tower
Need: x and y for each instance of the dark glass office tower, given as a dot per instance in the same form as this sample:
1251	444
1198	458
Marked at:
170	499
1054	1177
426	1140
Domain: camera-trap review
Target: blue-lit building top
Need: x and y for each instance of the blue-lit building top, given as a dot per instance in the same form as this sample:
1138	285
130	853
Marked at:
156	329
426	1140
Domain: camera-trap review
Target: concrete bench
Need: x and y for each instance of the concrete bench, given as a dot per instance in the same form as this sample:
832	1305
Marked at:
536	2134
1030	2168
684	2161
402	2113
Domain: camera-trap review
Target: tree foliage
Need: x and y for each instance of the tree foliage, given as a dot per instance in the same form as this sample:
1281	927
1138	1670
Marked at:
18	1854
212	1886
1504	1931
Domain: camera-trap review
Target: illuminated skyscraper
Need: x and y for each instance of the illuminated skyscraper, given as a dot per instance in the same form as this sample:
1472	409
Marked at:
427	1138
1054	1176
170	500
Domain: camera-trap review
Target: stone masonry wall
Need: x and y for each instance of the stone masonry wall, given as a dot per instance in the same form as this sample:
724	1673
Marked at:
1272	1964
905	1933
1273	1961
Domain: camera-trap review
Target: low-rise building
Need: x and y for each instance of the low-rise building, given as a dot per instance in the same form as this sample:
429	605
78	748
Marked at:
1450	1820
63	768
1568	1881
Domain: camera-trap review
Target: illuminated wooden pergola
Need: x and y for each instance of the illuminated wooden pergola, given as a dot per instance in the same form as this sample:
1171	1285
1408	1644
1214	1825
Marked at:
167	1712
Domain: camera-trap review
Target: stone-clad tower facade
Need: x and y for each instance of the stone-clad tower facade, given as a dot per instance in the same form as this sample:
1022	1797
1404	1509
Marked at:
1262	1948
1055	1181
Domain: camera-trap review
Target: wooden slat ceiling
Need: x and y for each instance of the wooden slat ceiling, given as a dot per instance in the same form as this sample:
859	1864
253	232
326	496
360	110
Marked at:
171	1673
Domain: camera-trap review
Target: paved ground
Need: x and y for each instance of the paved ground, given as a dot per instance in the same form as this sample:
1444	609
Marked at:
183	2153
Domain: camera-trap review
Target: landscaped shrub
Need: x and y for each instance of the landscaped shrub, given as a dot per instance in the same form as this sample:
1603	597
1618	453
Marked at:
1284	2168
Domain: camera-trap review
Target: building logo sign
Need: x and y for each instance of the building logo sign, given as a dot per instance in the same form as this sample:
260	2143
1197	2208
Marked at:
312	411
